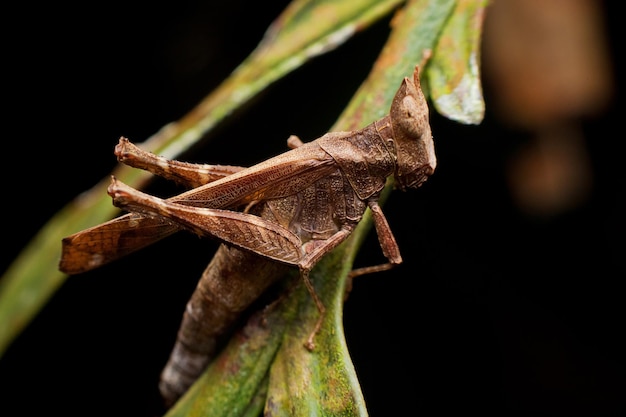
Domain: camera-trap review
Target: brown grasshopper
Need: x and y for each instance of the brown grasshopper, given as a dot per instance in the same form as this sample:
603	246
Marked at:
289	210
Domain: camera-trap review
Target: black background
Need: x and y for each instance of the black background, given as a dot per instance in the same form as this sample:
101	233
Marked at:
493	311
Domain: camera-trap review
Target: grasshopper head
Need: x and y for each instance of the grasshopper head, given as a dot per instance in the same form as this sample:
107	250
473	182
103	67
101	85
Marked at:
414	145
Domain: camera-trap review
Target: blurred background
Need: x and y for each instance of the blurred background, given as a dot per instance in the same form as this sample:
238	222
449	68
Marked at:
509	301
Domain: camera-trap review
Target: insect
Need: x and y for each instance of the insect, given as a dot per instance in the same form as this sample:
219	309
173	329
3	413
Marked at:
288	211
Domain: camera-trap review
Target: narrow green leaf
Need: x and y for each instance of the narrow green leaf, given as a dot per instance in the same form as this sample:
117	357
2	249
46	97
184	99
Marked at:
322	382
291	40
454	71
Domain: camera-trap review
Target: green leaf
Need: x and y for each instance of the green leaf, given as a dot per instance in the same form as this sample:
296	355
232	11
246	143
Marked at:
322	381
291	40
454	71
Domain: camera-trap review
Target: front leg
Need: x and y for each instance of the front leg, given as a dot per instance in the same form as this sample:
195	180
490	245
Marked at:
386	240
185	173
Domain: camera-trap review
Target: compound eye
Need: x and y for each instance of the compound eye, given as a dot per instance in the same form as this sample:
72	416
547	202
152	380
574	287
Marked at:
412	117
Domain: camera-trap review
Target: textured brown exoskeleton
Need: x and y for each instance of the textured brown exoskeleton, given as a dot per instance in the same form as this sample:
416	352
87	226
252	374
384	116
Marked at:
288	210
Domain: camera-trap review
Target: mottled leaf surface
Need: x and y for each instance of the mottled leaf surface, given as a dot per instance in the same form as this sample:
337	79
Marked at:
454	70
